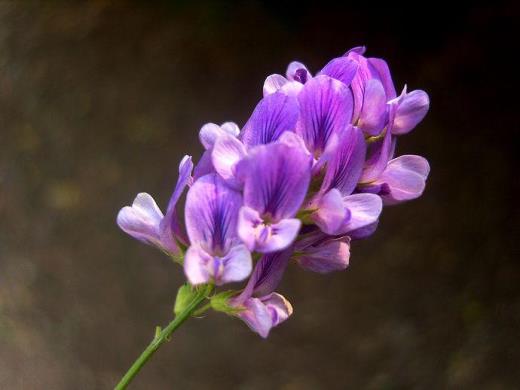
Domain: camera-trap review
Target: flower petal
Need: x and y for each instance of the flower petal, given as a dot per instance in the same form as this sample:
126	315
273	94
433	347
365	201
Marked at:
364	210
276	178
345	159
266	237
204	166
282	235
237	265
378	154
257	316
273	83
373	113
326	108
356	50
364	231
267	275
197	265
262	314
405	178
411	110
142	219
343	69
294	141
209	133
279	308
211	214
274	114
326	254
380	70
170	228
227	152
202	267
296	71
331	212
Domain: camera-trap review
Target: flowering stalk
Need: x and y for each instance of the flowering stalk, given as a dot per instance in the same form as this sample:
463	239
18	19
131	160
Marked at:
306	176
161	336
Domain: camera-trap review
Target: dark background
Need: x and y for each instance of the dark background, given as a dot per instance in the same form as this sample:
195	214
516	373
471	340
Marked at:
99	101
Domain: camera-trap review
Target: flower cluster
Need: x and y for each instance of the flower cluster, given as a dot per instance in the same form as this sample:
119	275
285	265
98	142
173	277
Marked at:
308	173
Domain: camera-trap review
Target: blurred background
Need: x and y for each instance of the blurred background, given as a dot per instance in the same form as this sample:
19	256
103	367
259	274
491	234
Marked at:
100	100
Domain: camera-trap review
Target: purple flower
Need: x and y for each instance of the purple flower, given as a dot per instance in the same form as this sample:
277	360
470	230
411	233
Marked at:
411	109
145	221
404	178
395	180
334	208
297	75
317	151
262	308
321	253
276	178
208	135
216	253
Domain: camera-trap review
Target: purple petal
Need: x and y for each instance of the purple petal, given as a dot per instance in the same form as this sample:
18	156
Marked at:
343	69
267	275
274	114
380	70
358	93
325	254
264	237
356	50
230	128
204	166
209	133
345	161
248	221
411	110
378	155
211	214
292	88
227	152
198	265
326	108
373	114
276	178
364	210
262	314
331	212
142	219
202	267
170	228
294	141
279	308
273	83
405	178
296	71
256	316
237	265
363	232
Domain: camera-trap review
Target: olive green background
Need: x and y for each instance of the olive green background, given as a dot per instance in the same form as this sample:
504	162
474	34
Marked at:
100	100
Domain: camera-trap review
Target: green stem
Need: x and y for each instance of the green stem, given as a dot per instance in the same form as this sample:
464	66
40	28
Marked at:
201	310
163	336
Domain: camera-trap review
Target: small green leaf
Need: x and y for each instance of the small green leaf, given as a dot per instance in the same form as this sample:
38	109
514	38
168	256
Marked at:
185	296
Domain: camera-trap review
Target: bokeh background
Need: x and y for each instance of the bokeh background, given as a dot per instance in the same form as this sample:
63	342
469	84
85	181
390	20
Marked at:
100	100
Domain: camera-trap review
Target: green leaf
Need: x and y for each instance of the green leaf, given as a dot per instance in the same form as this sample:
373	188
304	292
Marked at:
185	295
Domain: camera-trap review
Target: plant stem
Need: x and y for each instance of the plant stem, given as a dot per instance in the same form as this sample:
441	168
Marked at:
162	337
